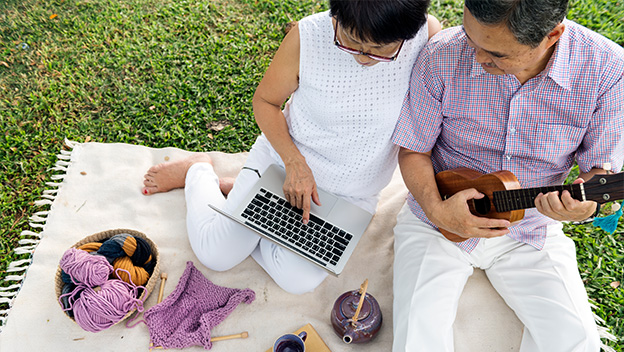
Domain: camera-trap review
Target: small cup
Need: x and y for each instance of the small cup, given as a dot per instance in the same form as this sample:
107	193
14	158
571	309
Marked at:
290	343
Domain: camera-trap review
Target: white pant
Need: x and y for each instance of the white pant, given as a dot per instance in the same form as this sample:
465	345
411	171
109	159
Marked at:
543	288
220	243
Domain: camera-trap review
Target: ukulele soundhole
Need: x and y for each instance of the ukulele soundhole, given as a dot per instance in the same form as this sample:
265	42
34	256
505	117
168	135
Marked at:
481	206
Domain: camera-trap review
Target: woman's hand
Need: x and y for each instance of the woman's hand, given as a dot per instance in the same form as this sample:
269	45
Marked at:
300	187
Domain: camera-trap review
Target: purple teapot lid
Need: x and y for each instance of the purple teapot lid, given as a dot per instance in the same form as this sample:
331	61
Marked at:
349	306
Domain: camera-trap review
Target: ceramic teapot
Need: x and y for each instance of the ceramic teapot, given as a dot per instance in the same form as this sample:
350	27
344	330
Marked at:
356	316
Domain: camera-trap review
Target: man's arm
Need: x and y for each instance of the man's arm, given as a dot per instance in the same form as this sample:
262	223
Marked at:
603	142
451	214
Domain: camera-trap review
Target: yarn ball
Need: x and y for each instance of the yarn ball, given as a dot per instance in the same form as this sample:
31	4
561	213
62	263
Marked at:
138	275
67	288
82	267
90	247
66	278
100	308
149	267
142	254
124	244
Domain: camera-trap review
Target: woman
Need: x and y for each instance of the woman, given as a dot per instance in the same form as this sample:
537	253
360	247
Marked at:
346	72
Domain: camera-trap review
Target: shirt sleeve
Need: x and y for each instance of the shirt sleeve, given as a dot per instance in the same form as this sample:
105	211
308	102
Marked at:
420	120
604	139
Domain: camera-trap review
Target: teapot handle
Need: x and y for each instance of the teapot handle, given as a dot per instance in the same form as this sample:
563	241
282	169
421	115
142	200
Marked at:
363	289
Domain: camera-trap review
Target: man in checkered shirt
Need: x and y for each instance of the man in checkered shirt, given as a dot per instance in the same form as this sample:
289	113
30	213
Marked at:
518	87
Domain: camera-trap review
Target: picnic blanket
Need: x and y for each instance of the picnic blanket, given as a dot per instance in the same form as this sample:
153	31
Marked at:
98	188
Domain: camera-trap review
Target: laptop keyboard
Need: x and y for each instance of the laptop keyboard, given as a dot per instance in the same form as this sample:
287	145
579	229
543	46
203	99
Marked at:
275	217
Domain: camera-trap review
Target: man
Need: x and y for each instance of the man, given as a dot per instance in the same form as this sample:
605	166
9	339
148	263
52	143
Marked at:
520	88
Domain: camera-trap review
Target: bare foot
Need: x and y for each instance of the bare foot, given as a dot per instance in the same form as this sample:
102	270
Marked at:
226	184
170	175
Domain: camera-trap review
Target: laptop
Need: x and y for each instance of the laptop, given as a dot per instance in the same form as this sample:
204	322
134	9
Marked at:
329	238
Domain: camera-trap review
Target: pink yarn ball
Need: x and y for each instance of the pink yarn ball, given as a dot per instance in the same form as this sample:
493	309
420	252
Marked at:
82	267
99	309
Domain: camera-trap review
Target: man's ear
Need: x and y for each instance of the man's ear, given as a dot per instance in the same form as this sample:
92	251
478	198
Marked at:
555	34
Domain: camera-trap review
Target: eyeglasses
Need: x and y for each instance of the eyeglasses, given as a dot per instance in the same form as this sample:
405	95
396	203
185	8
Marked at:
359	52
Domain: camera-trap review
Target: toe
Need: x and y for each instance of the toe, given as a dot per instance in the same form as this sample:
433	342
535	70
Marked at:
148	182
154	169
149	191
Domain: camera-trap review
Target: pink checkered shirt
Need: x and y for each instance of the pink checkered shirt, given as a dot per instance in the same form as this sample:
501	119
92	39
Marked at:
573	110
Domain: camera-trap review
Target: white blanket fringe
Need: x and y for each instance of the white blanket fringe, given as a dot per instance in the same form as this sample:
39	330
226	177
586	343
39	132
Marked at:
30	239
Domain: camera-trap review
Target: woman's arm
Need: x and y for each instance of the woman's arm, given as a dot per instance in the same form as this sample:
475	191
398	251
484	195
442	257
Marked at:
279	82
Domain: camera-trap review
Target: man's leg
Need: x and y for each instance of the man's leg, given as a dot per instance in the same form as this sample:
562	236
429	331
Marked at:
545	290
430	273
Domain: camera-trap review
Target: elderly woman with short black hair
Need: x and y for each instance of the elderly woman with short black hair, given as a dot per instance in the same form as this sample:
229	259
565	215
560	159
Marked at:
342	75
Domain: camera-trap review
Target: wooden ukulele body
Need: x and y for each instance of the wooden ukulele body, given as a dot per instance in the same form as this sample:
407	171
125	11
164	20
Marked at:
452	181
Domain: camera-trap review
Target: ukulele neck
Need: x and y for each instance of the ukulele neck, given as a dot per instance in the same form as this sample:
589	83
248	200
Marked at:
524	198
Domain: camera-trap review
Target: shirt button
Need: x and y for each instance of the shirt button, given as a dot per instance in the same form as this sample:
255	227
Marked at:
508	157
512	130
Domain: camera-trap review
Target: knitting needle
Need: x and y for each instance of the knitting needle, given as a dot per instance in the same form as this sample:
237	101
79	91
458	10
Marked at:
242	335
163	279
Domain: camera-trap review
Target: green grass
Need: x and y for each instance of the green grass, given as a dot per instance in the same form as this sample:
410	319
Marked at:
178	73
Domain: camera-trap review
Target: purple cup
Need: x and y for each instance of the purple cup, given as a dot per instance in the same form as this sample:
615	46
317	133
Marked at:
290	343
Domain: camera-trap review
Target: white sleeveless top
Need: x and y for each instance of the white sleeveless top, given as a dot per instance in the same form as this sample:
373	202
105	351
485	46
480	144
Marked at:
342	115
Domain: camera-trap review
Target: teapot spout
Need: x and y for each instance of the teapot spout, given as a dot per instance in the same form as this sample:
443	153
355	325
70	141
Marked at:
348	336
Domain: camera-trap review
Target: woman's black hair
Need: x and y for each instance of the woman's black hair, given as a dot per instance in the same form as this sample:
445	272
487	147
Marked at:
529	21
381	21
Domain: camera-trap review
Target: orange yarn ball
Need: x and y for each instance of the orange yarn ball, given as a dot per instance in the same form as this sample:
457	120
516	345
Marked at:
91	246
138	274
130	246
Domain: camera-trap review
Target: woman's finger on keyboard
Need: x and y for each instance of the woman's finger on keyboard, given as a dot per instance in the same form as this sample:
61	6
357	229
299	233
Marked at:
306	210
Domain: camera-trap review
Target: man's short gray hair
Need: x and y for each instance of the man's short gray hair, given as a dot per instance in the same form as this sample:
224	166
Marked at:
529	21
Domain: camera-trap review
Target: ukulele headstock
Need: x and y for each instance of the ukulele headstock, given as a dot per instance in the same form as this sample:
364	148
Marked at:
605	188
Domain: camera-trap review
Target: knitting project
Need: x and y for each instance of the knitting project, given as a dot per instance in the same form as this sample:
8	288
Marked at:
187	315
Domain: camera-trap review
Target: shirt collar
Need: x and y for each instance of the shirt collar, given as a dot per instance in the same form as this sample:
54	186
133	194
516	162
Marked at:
557	68
559	64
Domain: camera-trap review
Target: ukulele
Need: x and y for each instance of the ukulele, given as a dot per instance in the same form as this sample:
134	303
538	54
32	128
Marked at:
504	199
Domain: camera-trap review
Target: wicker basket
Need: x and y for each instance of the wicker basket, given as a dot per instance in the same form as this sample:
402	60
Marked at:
101	237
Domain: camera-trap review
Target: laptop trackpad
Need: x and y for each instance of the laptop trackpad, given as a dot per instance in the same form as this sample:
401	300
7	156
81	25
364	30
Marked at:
327	204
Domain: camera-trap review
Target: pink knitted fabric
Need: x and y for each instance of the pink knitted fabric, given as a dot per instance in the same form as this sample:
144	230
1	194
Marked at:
196	305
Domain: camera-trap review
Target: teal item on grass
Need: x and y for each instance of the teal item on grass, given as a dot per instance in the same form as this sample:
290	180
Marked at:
608	223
